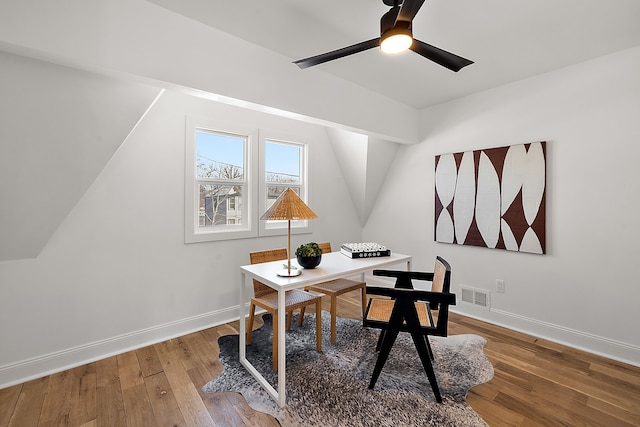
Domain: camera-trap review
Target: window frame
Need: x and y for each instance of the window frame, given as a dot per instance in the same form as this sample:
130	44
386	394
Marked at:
192	233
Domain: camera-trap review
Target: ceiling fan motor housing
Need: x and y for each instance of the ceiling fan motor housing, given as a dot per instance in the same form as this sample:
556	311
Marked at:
388	22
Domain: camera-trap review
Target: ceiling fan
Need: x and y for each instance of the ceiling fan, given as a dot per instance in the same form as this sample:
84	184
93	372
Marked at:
395	37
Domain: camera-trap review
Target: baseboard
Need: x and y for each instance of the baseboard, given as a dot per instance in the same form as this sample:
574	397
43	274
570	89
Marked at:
37	367
602	346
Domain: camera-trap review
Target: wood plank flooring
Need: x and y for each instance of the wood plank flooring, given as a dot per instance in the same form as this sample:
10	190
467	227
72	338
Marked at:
536	383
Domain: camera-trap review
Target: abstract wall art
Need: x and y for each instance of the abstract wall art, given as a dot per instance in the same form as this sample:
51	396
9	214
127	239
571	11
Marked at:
493	198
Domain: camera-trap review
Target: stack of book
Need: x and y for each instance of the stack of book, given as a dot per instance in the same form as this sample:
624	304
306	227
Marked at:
364	250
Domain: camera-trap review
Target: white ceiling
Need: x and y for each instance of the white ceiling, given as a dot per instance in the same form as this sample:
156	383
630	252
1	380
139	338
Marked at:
509	40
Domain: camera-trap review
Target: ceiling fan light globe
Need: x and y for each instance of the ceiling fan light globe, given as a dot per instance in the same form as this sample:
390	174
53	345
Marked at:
396	44
396	40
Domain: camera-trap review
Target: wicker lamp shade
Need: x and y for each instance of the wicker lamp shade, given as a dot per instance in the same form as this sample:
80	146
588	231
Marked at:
288	206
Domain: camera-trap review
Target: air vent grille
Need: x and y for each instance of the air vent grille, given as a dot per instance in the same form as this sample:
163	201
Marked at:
474	296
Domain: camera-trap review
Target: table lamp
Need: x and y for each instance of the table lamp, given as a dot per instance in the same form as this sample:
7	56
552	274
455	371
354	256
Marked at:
287	207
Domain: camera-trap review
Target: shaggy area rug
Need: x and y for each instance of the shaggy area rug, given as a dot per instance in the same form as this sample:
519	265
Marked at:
330	388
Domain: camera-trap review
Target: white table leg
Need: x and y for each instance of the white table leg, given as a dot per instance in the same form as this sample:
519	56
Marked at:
281	349
278	397
243	321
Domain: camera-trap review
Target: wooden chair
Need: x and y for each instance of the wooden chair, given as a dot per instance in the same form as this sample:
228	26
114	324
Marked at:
267	299
335	288
411	310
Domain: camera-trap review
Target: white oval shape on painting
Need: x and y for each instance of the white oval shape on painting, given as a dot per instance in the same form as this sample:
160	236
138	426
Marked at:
446	176
530	243
463	204
509	239
488	202
444	227
533	183
512	175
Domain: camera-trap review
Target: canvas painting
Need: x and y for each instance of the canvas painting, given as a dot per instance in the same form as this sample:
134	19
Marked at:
493	198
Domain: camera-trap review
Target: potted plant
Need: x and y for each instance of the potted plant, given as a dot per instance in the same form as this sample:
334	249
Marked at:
309	255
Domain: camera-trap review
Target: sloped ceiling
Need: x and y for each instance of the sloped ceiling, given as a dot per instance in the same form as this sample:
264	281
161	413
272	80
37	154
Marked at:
364	162
58	129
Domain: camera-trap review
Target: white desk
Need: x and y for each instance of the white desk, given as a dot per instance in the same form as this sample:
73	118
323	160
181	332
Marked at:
333	266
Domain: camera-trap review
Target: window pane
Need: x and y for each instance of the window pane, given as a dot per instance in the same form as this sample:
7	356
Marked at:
220	205
282	162
274	191
220	156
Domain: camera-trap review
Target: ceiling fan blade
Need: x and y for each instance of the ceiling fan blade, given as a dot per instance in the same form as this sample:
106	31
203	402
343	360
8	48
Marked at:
409	9
339	53
439	56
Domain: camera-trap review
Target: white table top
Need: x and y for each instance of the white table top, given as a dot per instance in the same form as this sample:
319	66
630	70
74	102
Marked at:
333	265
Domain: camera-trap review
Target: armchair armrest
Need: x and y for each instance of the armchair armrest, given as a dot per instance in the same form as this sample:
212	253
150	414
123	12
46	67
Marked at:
403	278
414	294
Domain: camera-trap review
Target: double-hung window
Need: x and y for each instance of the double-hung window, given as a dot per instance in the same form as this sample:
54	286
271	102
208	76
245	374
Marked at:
283	165
232	177
218	182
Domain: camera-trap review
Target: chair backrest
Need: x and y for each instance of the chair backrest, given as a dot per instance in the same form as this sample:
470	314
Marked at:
441	276
441	283
325	246
258	257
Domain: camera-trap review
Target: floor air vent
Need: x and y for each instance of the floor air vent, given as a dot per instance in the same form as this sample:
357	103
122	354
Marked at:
475	296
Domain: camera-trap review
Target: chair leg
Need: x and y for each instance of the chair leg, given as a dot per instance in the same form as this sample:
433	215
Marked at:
389	338
363	296
301	318
426	340
380	339
334	307
289	319
319	325
419	341
274	342
252	311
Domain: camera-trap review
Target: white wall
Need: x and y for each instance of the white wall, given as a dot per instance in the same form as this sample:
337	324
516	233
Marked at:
117	274
584	291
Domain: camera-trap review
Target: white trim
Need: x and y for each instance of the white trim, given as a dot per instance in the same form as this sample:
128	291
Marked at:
602	346
47	364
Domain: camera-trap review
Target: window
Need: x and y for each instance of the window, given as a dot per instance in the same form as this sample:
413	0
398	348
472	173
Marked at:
232	177
284	164
220	165
218	185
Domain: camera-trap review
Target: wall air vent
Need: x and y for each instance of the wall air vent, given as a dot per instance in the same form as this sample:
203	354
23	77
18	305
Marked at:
475	296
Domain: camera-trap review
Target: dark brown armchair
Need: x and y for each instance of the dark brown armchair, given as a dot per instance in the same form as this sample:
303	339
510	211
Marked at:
421	313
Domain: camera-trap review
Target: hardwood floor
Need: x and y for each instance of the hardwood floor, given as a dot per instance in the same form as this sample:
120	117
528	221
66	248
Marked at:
536	383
